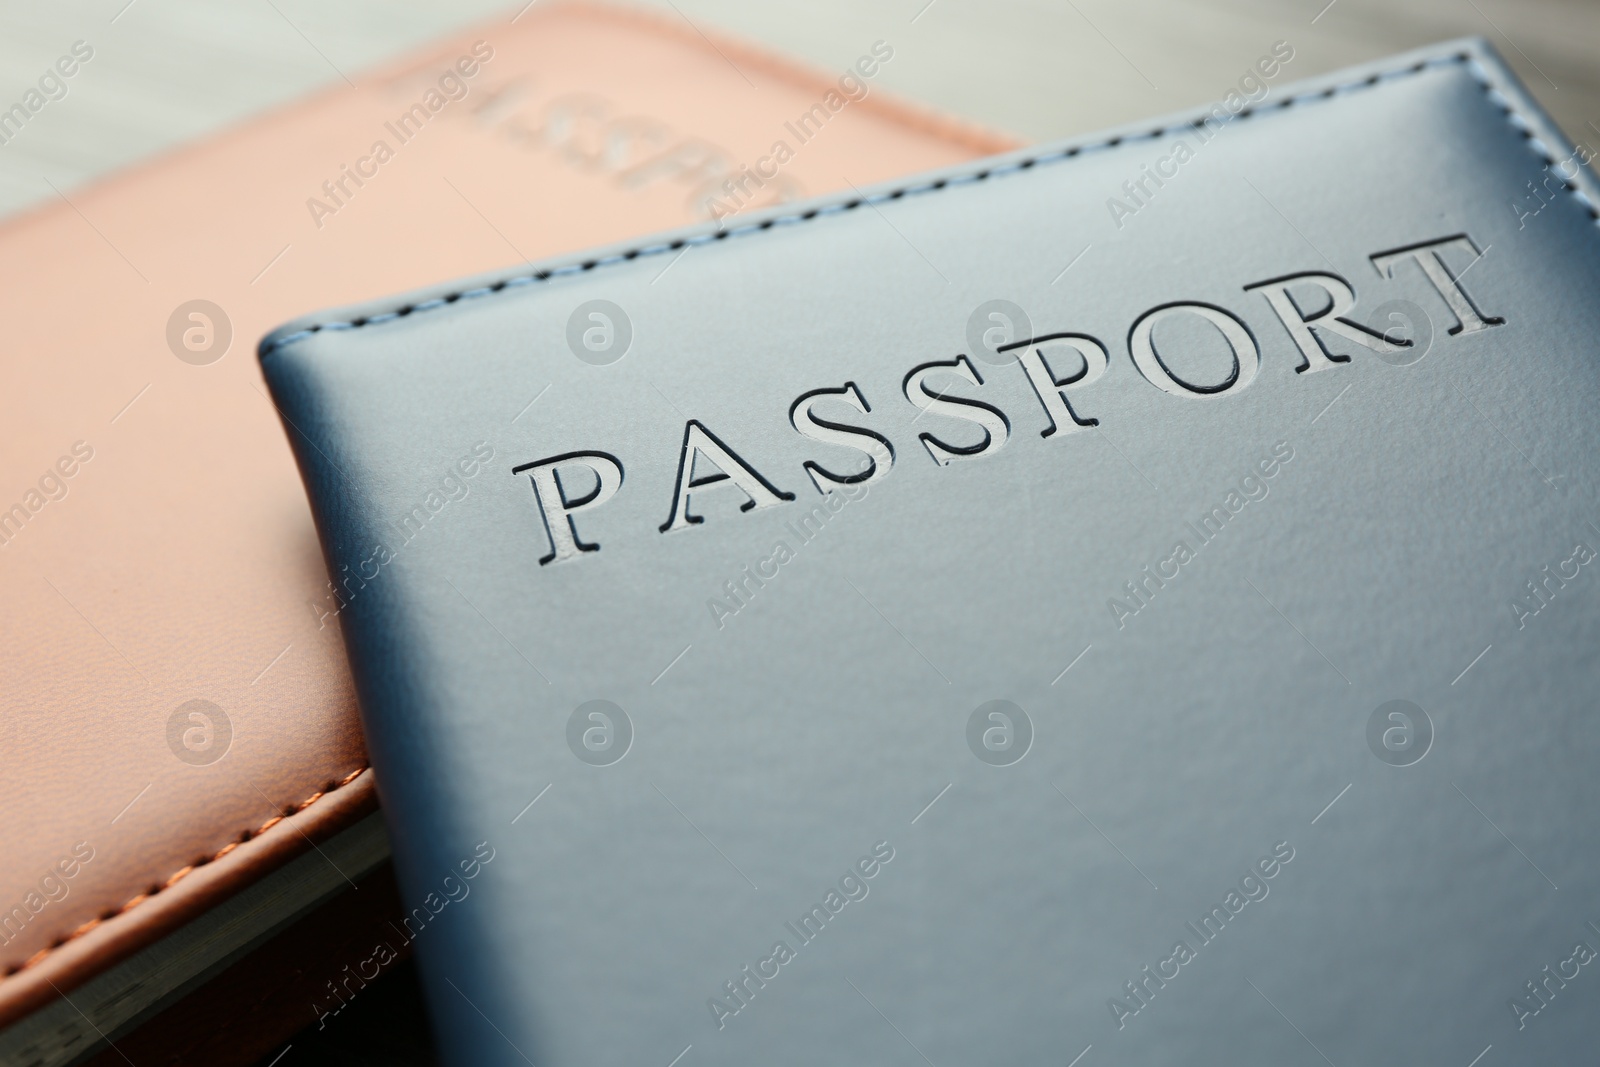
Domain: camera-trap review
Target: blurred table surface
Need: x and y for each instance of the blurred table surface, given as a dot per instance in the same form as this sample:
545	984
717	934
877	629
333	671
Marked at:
169	71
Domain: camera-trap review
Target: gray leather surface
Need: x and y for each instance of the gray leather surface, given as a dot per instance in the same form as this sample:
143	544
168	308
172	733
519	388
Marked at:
1215	725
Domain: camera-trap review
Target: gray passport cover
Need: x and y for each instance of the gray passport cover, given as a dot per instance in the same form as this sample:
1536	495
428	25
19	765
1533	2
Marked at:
968	621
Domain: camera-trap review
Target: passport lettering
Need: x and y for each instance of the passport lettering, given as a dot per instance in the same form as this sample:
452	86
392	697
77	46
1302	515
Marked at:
832	416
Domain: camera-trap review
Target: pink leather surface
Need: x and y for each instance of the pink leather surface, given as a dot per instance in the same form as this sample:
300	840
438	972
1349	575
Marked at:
178	562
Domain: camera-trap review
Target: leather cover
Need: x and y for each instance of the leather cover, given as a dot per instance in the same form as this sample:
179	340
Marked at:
155	546
1223	698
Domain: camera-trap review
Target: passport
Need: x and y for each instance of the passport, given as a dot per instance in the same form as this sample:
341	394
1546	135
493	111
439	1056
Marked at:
959	620
178	712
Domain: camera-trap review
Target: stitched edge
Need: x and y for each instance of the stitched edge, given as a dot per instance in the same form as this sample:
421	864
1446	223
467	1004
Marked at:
1525	128
178	875
1478	72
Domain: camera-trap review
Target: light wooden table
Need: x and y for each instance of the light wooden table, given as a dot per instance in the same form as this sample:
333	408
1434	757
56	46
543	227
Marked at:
167	71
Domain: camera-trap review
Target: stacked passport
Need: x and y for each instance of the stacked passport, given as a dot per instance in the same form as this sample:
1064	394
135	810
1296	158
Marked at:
956	621
179	723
